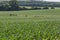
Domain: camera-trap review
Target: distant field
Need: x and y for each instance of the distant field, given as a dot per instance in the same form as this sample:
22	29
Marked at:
30	25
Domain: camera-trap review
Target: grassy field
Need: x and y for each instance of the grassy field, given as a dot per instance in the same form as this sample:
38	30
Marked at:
30	25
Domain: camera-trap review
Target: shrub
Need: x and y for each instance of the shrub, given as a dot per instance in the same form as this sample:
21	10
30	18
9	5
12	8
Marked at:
13	15
24	8
45	8
52	8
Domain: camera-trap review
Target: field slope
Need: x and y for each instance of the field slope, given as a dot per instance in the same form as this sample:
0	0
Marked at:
30	25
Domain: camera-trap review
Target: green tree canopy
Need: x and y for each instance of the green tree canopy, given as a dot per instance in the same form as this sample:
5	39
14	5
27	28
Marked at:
14	4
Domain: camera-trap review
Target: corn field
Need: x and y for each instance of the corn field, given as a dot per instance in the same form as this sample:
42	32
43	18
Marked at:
30	25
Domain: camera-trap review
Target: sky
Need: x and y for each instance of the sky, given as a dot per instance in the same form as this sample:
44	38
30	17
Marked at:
44	0
53	0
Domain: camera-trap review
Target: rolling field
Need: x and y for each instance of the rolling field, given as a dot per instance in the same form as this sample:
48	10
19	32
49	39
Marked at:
30	25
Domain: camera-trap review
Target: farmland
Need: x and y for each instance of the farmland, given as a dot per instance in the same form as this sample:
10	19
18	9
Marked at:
30	25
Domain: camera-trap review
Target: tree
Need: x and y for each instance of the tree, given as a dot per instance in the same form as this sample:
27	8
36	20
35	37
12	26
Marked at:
14	5
3	7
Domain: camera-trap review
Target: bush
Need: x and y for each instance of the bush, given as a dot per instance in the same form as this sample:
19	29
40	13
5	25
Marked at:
24	8
13	15
45	8
52	8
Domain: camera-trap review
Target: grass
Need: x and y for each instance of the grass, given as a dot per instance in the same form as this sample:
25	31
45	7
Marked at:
30	25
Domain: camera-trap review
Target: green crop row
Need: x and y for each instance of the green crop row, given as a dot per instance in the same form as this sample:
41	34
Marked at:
30	30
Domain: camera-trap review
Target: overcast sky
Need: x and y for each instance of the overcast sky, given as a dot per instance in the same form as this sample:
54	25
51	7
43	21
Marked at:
44	0
54	0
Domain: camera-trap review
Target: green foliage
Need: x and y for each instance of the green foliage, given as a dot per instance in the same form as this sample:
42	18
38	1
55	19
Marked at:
4	7
11	5
14	4
46	8
52	7
30	25
29	31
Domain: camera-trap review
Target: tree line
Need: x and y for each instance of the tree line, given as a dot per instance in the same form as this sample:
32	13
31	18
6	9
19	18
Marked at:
12	5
